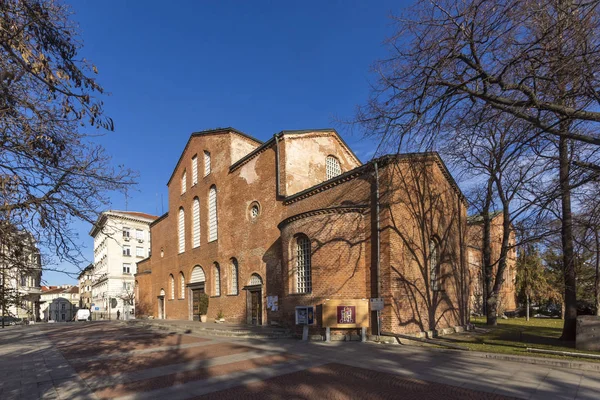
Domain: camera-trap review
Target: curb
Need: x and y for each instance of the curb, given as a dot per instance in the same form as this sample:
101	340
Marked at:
548	362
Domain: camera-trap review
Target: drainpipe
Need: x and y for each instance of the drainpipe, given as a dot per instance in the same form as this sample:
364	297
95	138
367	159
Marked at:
377	248
277	183
378	240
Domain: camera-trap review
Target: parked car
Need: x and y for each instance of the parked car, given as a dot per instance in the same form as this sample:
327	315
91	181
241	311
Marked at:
82	315
9	320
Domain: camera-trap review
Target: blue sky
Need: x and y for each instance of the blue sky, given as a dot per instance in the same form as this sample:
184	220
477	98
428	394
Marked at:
173	68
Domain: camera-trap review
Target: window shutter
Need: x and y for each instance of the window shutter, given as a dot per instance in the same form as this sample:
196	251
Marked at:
194	170
181	230
196	223
212	214
206	163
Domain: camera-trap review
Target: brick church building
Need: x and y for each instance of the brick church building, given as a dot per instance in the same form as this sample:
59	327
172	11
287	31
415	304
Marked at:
298	220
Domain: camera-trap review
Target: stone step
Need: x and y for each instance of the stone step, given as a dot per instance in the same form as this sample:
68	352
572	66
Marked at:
256	333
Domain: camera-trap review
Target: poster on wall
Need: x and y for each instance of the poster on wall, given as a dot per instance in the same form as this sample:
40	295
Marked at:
272	303
346	314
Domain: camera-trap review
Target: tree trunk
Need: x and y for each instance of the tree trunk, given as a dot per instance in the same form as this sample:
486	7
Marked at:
527	312
491	303
570	315
597	280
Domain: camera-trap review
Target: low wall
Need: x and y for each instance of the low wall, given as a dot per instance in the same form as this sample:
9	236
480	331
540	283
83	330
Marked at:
588	333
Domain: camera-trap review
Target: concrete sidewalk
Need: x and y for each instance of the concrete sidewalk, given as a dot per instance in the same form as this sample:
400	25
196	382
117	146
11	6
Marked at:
33	367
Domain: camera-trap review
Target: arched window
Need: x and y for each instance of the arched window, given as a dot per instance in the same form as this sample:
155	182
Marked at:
212	214
194	169
206	163
303	275
136	290
217	273
332	167
181	230
433	264
196	223
172	286
197	275
181	286
233	279
183	183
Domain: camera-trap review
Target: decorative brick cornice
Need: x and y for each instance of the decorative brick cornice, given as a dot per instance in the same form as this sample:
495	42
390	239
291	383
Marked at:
356	208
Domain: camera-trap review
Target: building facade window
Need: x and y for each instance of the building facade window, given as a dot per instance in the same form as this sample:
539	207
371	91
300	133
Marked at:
196	223
194	170
172	286
139	235
206	163
181	286
183	182
303	270
212	214
217	270
181	230
139	252
332	167
433	264
126	233
126	268
233	278
126	250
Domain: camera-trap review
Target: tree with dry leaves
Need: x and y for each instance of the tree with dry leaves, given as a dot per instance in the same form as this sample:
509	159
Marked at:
51	171
538	61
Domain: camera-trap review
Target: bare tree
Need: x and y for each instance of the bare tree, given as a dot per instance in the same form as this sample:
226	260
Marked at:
537	61
51	171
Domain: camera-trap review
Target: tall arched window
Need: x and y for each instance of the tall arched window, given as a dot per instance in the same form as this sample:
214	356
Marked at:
136	291
212	214
194	169
303	274
172	286
217	274
206	163
233	278
196	223
181	286
183	182
433	264
332	167
181	230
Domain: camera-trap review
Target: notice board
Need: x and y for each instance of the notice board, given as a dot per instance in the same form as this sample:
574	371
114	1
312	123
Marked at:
348	313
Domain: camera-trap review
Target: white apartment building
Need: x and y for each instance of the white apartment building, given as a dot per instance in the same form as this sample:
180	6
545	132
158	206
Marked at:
121	240
20	277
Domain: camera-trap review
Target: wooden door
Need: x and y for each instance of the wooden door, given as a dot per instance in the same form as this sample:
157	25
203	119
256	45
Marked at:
196	304
256	307
161	307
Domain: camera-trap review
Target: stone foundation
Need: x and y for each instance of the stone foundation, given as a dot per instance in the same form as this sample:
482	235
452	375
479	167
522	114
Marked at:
588	333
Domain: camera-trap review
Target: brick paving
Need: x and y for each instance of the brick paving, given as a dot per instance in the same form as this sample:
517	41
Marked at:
104	360
338	381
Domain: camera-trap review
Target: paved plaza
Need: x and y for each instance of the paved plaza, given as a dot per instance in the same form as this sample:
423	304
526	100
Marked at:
108	360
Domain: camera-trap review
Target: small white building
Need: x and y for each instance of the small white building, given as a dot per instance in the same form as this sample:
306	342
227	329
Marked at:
59	303
121	240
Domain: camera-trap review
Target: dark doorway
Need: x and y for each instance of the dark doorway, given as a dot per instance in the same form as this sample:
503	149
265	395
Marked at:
256	307
161	307
196	292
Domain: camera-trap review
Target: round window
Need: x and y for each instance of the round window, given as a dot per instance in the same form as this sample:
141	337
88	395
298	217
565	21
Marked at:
254	210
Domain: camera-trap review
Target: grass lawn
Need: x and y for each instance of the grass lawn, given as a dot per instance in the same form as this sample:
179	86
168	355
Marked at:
514	335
